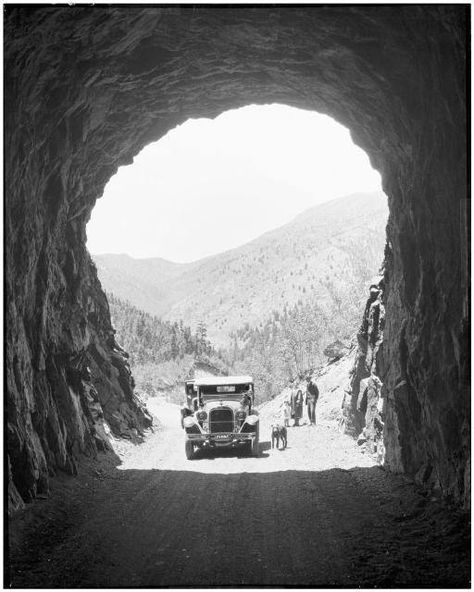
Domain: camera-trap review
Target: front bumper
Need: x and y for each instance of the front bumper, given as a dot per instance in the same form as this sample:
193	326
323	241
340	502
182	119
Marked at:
221	438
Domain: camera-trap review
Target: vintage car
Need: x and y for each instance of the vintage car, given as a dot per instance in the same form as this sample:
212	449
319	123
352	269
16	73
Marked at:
222	414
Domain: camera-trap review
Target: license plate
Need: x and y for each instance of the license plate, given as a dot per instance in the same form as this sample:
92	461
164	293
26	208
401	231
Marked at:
222	436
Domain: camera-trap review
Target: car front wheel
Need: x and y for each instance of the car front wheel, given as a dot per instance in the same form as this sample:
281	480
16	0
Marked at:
189	449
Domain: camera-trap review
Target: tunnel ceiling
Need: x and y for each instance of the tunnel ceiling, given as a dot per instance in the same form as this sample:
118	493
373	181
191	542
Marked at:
86	88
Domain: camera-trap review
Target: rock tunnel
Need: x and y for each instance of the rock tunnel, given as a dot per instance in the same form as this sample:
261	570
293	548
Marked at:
86	88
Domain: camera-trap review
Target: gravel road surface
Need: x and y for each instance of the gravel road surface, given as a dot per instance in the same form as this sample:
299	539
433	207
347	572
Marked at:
317	514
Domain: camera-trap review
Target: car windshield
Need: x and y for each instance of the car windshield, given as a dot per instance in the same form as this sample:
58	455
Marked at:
229	391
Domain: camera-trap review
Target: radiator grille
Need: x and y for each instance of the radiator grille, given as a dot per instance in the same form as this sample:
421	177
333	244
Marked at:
221	420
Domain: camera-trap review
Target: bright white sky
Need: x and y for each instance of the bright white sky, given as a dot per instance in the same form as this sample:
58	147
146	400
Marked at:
211	185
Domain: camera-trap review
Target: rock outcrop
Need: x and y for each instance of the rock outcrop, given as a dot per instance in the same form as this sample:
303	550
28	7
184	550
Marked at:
68	382
363	402
336	350
87	87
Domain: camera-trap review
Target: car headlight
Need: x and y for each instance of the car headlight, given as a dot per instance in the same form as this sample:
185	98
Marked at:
241	414
188	421
201	415
252	419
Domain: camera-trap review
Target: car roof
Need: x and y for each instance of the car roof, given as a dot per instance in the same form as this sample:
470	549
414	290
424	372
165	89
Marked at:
221	380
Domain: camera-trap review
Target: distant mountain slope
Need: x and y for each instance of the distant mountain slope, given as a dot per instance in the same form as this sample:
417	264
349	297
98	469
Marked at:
147	283
328	254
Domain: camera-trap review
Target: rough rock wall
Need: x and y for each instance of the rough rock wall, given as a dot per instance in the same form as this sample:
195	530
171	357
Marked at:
363	404
68	382
87	87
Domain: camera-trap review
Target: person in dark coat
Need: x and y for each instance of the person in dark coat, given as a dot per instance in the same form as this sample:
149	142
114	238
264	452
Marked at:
297	406
312	396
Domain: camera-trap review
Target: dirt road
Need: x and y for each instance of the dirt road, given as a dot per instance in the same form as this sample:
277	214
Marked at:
317	514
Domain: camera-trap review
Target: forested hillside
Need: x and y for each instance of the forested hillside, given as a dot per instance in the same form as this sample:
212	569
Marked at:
162	353
289	344
326	255
271	306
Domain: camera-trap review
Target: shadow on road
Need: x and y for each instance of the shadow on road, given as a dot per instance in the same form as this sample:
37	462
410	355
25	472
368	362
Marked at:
360	527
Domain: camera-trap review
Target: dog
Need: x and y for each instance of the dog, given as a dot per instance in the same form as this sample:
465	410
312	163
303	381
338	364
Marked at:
279	433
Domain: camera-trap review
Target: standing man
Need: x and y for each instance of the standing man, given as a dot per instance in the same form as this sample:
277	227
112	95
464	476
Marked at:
312	396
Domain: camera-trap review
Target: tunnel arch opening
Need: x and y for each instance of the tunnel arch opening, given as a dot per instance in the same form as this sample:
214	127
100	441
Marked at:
73	123
221	184
240	170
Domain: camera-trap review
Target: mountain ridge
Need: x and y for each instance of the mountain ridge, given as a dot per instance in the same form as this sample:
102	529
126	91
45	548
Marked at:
303	258
303	214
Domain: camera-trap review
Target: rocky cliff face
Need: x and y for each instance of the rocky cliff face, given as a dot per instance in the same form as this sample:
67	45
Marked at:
68	382
363	403
87	87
